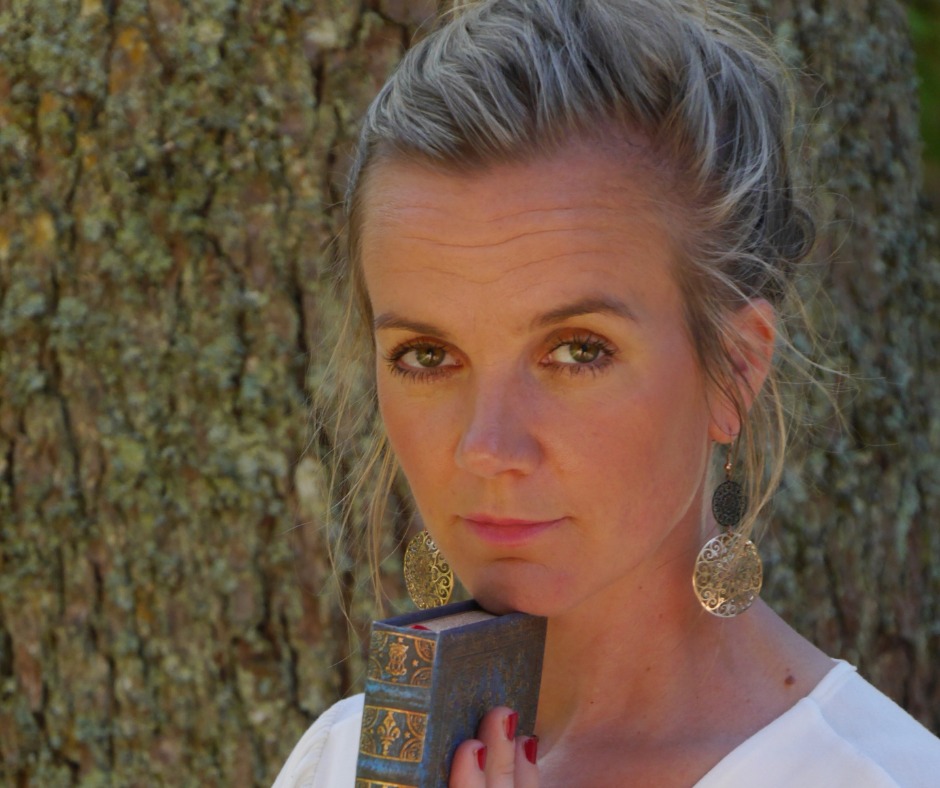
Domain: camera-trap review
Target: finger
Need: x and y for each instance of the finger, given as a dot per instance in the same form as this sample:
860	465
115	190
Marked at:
497	731
527	771
467	768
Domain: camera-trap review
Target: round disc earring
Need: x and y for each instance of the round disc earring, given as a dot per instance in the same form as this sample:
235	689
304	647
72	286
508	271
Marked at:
728	571
428	576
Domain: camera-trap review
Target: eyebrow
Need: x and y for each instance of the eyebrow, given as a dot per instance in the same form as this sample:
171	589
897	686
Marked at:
389	320
585	306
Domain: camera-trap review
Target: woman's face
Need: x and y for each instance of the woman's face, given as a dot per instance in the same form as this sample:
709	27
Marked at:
535	376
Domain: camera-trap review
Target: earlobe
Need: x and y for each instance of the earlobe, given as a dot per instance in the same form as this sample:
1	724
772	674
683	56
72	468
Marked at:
725	432
751	337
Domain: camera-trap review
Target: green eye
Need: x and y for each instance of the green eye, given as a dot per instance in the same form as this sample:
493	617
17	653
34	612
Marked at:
429	356
422	361
576	354
584	352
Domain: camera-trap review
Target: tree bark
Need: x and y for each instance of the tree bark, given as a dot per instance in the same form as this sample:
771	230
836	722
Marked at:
854	543
170	181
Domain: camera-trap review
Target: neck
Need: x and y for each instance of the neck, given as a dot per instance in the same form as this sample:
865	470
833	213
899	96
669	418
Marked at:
633	659
694	688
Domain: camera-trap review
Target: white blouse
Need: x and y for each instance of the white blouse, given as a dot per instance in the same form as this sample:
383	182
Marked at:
844	734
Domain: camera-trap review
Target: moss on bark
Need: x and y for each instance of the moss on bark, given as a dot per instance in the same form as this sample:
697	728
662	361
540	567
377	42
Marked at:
169	180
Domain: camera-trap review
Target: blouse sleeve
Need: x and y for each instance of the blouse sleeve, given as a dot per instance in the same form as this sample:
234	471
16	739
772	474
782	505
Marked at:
325	756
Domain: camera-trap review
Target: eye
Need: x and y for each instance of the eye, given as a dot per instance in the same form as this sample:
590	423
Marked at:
421	360
580	354
577	352
427	356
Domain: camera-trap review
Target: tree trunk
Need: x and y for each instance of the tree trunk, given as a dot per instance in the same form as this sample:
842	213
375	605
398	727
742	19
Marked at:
170	178
854	545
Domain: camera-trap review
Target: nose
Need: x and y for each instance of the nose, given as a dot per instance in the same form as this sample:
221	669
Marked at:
498	436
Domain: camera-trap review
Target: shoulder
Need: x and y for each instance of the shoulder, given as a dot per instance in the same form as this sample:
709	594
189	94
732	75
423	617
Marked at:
844	733
326	754
877	728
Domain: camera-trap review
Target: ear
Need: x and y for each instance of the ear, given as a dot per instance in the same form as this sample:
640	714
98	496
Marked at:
751	334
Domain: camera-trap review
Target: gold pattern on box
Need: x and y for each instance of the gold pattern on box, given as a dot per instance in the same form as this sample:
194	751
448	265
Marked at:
393	734
401	659
377	784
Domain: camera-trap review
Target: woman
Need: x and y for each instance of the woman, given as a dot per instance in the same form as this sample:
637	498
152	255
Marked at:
572	237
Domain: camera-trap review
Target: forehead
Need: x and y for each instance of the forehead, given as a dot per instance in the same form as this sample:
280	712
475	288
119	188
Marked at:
619	178
586	218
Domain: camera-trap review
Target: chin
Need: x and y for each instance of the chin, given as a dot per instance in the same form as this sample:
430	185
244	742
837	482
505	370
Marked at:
495	603
508	597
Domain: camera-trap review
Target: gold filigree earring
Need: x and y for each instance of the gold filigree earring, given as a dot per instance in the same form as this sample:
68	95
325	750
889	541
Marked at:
428	576
728	571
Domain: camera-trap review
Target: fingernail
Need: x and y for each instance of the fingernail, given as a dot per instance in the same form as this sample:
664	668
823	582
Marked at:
531	748
512	720
421	627
481	758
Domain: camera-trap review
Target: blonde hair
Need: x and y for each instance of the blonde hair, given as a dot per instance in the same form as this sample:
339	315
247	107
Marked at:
513	80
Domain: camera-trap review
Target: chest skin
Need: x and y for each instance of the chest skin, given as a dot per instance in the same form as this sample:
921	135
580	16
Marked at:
609	763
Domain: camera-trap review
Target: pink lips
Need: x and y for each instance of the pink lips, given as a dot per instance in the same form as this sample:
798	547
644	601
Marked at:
507	531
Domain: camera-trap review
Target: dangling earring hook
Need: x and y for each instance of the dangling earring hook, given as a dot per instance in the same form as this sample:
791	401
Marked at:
728	572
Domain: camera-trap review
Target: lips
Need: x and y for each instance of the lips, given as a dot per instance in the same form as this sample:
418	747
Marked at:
507	531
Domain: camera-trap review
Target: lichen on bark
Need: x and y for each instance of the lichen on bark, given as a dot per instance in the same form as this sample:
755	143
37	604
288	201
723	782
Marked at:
170	184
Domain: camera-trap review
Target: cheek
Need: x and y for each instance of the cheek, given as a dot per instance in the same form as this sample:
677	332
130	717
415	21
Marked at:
651	444
416	431
397	419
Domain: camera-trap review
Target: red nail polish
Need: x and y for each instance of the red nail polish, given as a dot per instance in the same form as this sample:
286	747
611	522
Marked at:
481	758
531	748
511	722
420	626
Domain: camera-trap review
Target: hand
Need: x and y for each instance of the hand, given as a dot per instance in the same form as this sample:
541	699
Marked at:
497	758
